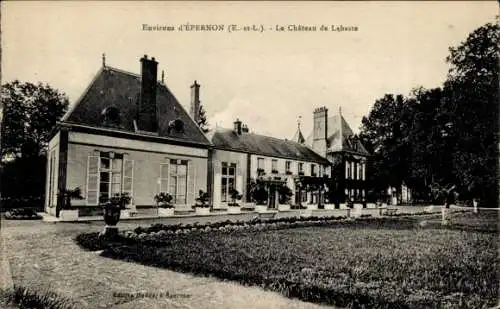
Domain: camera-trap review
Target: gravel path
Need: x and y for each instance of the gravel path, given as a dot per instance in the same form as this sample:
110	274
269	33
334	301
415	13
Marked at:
44	256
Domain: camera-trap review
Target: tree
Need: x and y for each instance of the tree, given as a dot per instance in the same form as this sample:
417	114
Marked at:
203	121
442	137
382	133
472	105
29	114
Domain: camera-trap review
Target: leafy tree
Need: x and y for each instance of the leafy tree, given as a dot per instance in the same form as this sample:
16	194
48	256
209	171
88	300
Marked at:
471	105
445	136
203	121
29	114
382	133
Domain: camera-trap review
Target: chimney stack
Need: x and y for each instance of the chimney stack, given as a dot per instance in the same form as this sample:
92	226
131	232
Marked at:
320	130
237	127
195	101
147	118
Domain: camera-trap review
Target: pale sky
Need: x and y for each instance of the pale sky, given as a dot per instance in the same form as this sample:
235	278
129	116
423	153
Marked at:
265	79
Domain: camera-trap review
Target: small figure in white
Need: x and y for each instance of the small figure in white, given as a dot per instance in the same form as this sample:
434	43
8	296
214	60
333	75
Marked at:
449	196
474	203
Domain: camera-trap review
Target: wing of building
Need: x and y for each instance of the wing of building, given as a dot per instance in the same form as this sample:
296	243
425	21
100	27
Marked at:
242	158
333	138
127	133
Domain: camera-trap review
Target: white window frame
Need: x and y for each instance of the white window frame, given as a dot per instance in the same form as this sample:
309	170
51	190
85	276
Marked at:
274	165
227	176
259	165
177	182
111	172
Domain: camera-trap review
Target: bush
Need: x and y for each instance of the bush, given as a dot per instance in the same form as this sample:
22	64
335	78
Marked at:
22	297
22	214
202	199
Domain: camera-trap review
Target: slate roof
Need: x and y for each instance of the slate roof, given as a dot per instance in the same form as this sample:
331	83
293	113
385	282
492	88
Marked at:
227	139
338	137
121	89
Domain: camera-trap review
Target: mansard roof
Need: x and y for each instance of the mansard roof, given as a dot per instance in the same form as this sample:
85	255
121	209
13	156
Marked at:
119	89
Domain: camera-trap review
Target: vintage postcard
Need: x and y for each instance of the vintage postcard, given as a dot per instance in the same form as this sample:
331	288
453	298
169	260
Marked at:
249	154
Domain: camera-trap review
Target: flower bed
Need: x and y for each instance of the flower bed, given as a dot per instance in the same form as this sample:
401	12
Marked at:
22	214
362	263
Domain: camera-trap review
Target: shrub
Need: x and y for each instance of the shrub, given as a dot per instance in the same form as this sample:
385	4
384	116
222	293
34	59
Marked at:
66	195
285	194
202	199
26	298
164	200
22	214
235	196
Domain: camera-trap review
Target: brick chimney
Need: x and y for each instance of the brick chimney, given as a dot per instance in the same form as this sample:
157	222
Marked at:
237	127
195	101
147	114
320	130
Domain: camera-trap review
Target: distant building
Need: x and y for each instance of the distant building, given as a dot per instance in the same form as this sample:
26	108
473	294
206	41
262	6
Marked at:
333	139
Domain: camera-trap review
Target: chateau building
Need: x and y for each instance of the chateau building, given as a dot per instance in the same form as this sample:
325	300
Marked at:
333	139
127	133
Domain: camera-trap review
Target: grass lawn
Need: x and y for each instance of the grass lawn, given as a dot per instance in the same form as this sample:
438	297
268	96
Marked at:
395	263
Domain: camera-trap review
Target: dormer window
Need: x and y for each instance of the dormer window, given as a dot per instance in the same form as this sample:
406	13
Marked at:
176	126
110	117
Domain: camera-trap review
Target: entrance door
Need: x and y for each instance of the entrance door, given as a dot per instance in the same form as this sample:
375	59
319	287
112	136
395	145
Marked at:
272	196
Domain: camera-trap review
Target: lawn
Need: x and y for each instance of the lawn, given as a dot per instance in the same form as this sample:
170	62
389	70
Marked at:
367	263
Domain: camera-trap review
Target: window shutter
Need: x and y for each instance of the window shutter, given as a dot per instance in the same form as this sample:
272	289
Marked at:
128	177
164	176
191	183
92	193
239	178
216	190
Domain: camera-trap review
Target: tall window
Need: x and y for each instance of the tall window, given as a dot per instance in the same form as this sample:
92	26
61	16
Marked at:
274	166
313	170
260	163
288	166
360	170
347	170
301	167
110	176
228	180
178	181
108	173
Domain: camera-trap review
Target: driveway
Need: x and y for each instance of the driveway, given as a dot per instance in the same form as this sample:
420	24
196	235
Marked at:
44	256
